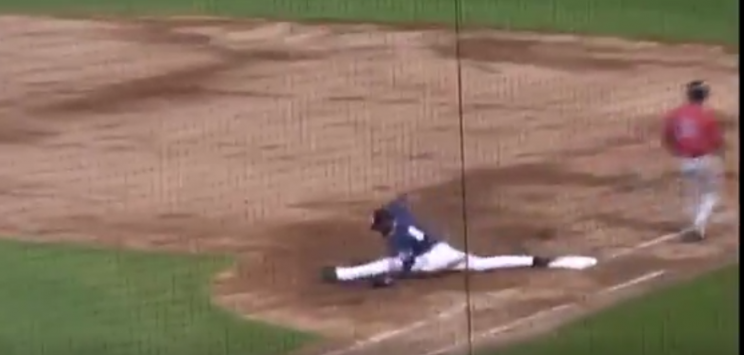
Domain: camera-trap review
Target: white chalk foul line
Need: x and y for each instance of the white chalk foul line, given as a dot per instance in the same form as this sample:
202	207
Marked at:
505	327
632	282
399	331
546	312
379	338
719	218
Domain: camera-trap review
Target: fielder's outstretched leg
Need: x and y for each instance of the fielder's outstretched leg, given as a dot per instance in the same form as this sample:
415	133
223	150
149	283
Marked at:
573	262
477	263
364	271
445	257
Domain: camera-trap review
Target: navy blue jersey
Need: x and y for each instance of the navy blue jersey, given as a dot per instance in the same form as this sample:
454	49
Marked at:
408	239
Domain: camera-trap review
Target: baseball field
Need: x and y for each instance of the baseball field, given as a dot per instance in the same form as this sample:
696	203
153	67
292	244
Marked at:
175	173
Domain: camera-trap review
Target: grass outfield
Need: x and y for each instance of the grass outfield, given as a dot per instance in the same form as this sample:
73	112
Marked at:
695	318
693	20
65	300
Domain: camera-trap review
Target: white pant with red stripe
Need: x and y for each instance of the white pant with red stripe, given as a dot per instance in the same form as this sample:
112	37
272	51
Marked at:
702	178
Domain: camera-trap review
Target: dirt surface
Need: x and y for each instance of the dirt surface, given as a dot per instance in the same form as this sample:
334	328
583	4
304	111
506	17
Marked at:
272	142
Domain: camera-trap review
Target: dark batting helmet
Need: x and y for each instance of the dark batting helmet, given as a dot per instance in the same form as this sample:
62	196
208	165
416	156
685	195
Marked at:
697	91
382	221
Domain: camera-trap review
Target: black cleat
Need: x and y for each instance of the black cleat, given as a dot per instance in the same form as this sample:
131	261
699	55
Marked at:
328	274
541	261
692	236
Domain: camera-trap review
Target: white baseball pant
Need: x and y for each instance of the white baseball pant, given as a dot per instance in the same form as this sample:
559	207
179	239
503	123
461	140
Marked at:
443	257
701	178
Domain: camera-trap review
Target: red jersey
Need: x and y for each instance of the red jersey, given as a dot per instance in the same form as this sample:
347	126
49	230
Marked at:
692	131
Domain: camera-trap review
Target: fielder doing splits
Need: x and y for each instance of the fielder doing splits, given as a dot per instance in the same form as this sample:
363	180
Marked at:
412	250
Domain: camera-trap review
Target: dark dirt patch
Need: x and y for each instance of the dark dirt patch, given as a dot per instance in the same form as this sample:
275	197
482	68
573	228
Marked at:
529	52
652	227
181	84
495	225
560	56
14	130
177	84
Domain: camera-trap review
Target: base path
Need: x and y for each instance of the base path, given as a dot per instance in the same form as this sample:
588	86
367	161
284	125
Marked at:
273	141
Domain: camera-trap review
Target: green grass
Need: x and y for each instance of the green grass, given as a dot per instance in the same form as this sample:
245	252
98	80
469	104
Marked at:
695	318
66	300
689	20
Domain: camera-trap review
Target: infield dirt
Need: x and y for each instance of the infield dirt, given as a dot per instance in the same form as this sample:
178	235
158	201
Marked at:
272	142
